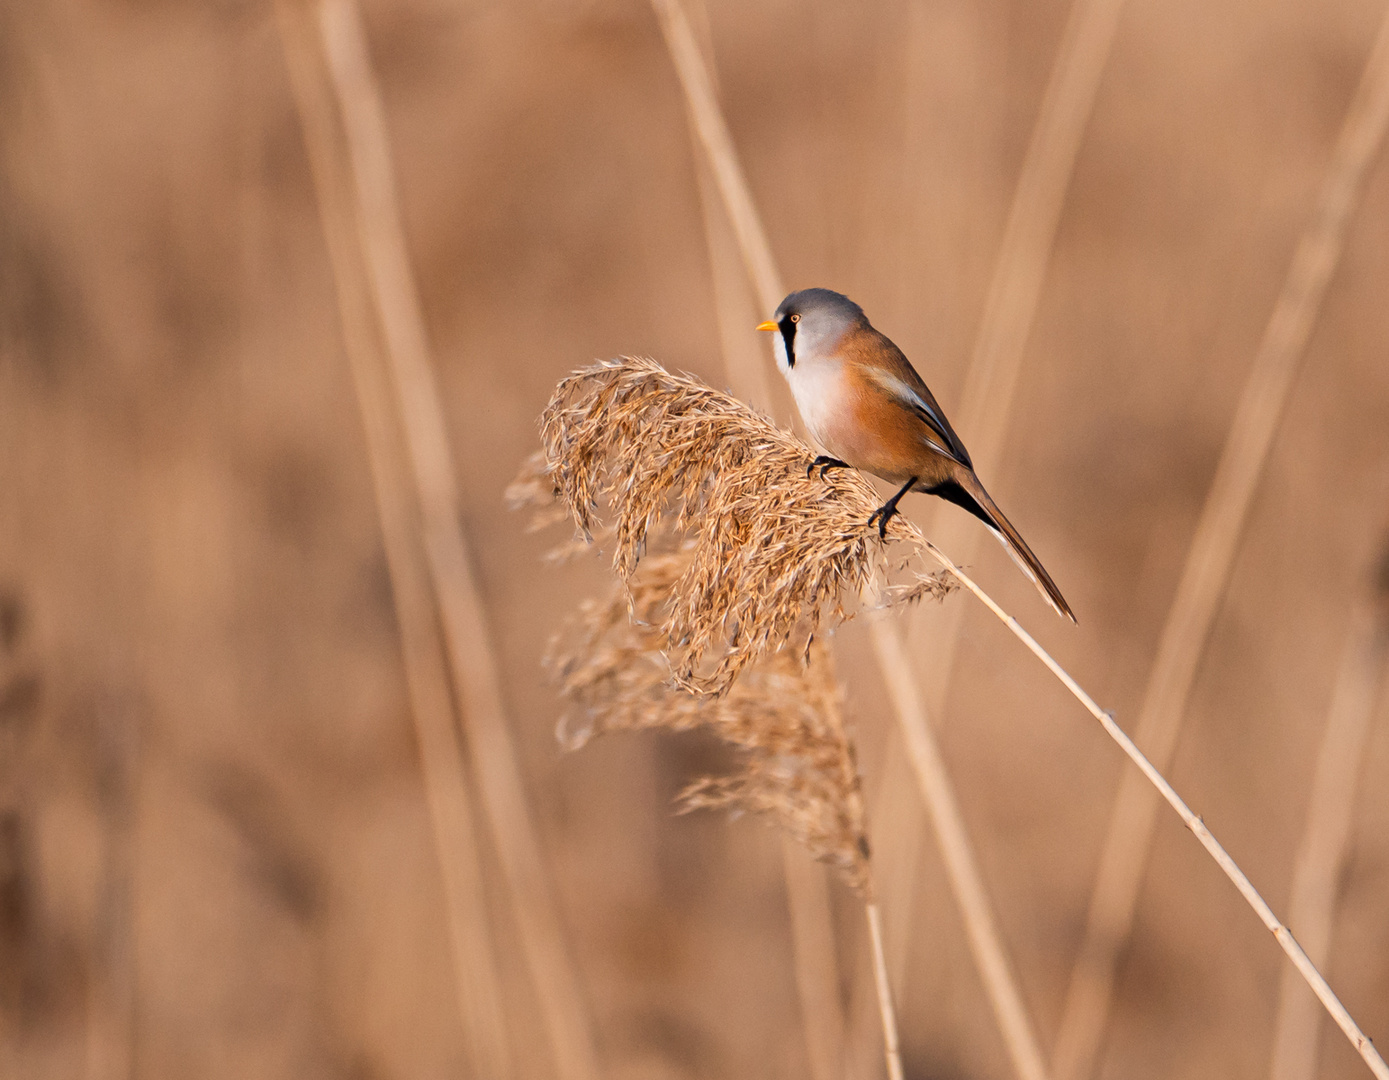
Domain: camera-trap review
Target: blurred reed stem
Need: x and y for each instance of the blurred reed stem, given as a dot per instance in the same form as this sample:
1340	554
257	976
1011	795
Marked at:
1360	687
422	651
875	937
807	885
346	122
991	378
712	130
1128	841
111	986
1281	933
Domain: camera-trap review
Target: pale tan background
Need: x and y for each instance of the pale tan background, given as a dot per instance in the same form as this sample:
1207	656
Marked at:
214	852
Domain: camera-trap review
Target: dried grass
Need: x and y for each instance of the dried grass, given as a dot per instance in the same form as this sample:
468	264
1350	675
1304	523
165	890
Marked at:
783	715
772	551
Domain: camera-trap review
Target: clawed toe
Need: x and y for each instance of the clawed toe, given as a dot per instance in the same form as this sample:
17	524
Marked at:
825	463
882	516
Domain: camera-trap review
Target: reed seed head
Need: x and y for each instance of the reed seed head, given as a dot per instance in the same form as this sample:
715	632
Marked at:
729	555
771	549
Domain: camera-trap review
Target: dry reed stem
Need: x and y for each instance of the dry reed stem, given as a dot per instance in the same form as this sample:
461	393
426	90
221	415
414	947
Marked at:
468	640
369	214
426	674
1129	838
889	1018
807	888
1281	933
712	129
1010	308
961	867
1317	869
1000	984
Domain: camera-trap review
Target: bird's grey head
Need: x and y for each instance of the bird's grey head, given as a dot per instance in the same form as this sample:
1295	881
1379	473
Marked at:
811	322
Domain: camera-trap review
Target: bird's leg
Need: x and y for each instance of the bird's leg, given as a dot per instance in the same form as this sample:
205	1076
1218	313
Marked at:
825	463
884	513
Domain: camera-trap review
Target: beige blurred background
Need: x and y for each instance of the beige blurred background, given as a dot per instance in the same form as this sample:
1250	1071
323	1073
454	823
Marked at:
215	851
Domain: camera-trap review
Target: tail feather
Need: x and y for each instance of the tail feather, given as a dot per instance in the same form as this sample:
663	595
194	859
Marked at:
966	491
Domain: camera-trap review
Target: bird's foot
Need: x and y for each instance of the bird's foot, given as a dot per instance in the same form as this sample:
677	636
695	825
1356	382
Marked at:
825	463
885	513
882	516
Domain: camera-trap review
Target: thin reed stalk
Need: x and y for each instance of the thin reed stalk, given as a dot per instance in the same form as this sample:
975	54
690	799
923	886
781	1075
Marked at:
355	145
476	984
991	378
1360	687
1281	933
1010	306
426	674
712	130
807	890
961	866
1128	841
889	1018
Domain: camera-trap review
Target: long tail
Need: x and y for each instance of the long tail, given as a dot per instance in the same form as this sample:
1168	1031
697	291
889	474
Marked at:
965	490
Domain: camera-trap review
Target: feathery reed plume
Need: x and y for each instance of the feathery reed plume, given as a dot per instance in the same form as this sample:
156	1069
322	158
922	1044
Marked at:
782	714
1128	840
1321	855
773	550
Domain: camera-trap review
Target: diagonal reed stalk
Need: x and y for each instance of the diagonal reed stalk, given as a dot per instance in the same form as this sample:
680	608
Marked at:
345	127
966	881
1281	933
1129	838
1317	869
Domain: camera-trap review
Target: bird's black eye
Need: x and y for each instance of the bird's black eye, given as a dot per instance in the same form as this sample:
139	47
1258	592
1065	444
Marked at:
795	318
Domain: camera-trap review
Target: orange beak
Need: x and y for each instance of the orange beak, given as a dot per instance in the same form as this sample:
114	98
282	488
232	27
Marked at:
768	325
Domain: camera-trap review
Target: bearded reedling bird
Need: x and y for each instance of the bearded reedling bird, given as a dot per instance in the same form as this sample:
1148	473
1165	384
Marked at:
864	403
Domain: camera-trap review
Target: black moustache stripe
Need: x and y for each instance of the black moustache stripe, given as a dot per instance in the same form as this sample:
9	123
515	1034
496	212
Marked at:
788	335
